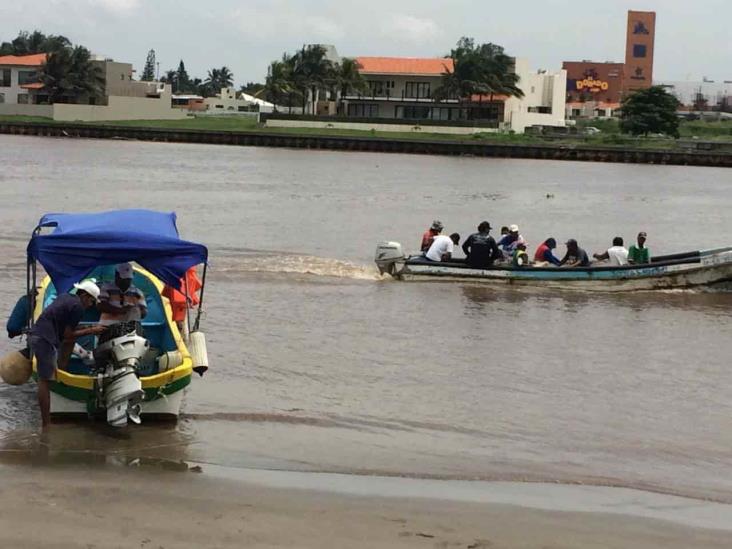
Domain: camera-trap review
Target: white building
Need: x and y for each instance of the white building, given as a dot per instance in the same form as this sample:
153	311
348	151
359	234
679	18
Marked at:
19	75
403	88
229	101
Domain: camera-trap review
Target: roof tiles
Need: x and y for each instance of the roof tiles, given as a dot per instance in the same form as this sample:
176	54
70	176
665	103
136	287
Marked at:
35	60
405	65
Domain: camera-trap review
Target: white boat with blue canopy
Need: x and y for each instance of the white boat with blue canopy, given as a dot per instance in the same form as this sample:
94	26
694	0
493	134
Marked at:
677	271
137	368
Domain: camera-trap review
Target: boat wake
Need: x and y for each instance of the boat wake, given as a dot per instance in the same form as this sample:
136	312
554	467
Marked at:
291	264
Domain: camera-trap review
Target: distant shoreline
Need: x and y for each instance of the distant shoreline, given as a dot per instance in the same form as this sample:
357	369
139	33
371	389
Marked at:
337	142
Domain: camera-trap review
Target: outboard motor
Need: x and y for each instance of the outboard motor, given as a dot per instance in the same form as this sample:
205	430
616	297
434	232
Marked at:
387	256
118	357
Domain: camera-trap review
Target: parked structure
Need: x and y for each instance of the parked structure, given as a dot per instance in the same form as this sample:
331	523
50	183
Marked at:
596	89
19	78
702	95
123	98
402	88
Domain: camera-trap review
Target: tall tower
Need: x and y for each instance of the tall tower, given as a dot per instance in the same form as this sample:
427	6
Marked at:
639	49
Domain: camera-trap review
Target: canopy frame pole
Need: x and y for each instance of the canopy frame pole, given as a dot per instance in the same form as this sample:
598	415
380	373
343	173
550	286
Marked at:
31	290
188	309
196	326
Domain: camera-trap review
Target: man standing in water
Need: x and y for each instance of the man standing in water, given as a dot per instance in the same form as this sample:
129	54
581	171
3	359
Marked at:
56	328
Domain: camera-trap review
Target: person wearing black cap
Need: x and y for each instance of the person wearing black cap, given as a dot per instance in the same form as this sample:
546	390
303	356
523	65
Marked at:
480	248
575	256
639	254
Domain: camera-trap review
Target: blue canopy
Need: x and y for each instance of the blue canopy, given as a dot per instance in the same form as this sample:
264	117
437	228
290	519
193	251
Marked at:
82	242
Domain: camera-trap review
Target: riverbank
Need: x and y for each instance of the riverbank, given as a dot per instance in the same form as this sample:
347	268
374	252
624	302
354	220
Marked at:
229	132
123	507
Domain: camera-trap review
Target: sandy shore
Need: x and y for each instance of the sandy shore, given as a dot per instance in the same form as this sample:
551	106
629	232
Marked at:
104	507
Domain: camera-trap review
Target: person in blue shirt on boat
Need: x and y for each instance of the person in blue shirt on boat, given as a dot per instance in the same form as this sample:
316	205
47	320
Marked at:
54	334
575	256
544	255
509	242
481	250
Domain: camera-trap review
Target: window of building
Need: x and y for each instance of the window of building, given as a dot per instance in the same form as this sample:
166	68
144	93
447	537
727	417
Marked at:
413	113
417	90
23	99
27	77
2	98
364	110
639	50
5	78
541	110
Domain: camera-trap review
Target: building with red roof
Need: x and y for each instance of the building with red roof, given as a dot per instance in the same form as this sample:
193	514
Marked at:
19	77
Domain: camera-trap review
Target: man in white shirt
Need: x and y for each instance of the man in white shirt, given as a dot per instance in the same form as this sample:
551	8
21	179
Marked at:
617	256
442	247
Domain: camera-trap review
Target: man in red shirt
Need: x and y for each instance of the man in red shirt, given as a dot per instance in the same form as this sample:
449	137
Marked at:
430	235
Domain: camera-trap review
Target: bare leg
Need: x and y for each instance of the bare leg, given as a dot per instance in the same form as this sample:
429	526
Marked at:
44	402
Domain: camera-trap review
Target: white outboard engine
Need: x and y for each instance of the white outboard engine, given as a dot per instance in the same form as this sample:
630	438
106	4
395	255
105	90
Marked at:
388	254
119	388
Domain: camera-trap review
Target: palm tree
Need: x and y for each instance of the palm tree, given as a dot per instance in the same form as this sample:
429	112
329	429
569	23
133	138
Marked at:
479	70
348	78
35	42
70	75
279	82
311	72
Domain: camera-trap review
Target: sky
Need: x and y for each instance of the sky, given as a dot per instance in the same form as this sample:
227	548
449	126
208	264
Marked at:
693	38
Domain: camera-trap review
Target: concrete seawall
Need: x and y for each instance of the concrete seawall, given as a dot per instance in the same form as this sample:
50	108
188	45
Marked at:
372	144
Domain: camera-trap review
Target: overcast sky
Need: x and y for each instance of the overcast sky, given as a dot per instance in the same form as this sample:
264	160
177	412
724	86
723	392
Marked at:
693	36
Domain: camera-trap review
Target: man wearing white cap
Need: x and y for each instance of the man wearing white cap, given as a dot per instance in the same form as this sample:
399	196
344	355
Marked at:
509	242
120	300
56	328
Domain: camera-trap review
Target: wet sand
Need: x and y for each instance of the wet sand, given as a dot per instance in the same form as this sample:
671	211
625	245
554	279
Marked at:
111	507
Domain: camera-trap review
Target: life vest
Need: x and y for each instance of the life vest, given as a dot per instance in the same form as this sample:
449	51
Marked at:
520	258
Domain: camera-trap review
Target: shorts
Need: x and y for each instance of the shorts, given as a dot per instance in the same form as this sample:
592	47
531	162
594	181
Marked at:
46	357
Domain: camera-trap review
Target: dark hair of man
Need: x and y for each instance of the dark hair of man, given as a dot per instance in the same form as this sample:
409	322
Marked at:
484	227
455	237
551	242
618	241
504	229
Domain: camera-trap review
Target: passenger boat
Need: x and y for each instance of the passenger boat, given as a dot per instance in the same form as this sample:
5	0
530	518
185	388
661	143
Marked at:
138	368
683	270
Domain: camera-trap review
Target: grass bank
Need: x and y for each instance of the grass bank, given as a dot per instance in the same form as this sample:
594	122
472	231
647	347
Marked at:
609	136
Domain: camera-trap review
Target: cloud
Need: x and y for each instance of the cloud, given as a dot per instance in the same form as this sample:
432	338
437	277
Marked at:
411	29
120	7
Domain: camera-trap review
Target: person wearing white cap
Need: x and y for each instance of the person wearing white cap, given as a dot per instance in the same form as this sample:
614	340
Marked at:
509	242
56	328
120	300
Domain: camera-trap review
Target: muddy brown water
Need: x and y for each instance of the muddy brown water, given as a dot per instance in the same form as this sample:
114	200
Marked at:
320	365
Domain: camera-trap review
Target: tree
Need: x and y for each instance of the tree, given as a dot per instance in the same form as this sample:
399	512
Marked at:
348	78
28	43
182	80
253	88
311	72
481	70
279	82
219	78
650	110
148	73
70	75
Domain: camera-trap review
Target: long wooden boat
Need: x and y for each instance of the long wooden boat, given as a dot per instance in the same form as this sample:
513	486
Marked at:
677	271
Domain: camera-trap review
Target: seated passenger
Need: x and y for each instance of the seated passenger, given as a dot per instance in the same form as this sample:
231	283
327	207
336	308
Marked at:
520	257
430	235
640	253
442	247
616	256
509	242
504	234
480	248
544	254
575	256
120	301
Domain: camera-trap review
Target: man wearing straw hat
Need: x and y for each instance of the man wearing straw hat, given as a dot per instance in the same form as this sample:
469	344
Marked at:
56	328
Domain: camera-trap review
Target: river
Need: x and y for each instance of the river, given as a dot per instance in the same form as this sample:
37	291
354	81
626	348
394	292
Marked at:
318	364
